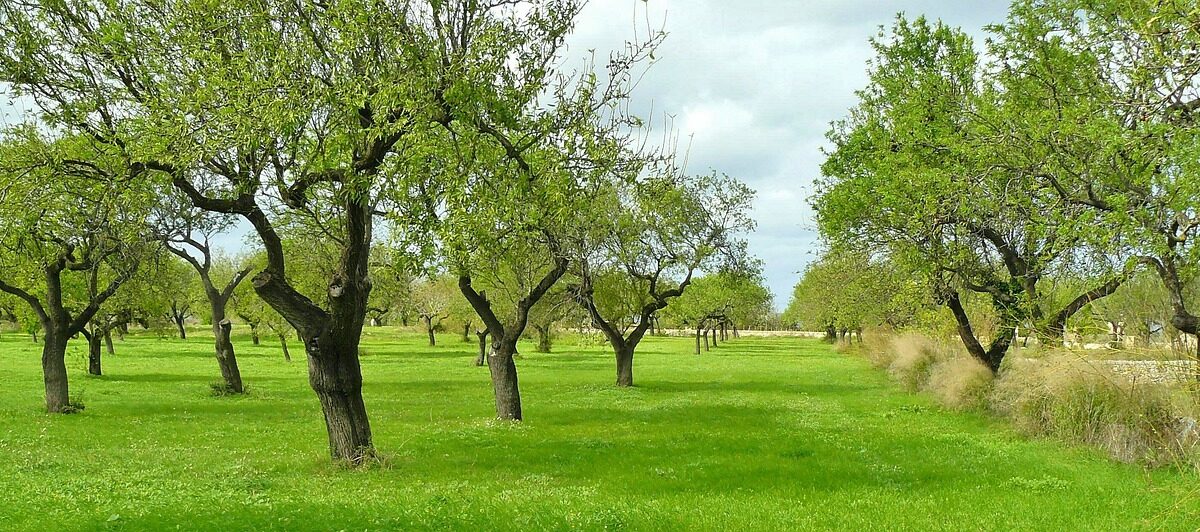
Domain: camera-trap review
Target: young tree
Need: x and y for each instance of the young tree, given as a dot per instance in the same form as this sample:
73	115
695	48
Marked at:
186	232
666	229
433	298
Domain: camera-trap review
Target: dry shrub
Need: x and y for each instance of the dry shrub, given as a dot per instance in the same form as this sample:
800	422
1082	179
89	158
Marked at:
1078	401
961	383
914	357
877	347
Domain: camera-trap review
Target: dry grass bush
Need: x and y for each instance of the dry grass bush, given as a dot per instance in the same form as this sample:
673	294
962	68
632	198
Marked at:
914	357
961	383
1076	400
1052	393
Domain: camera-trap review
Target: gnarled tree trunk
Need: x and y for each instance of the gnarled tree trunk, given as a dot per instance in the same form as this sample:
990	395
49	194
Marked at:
54	372
504	380
624	356
226	358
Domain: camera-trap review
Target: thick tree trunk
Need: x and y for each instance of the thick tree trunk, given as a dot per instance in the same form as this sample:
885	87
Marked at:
543	338
108	343
482	348
504	381
94	340
287	356
336	377
54	373
624	366
226	358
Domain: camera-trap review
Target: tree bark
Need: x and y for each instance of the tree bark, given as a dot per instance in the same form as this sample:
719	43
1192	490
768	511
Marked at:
108	343
334	374
543	332
697	340
287	356
994	354
714	337
504	381
482	360
93	339
624	366
226	358
54	372
706	347
179	324
429	328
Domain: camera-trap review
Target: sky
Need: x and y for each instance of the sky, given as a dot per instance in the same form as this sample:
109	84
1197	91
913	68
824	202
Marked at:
754	85
751	87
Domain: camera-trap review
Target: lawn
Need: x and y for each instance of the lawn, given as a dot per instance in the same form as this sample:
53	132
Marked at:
763	433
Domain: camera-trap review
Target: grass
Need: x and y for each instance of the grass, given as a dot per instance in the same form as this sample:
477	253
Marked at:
762	434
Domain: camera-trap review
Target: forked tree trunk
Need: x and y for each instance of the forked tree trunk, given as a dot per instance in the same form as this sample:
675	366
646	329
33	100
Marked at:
482	359
94	340
624	356
504	380
54	372
287	356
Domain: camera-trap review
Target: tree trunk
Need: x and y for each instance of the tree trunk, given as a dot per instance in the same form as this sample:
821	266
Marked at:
54	373
287	356
182	330
226	358
482	348
336	377
504	381
714	337
543	338
254	334
706	347
624	366
735	331
429	329
697	341
724	332
94	340
108	343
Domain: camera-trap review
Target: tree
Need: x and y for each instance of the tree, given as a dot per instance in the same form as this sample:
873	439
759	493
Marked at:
669	227
70	235
186	232
917	169
1119	78
433	299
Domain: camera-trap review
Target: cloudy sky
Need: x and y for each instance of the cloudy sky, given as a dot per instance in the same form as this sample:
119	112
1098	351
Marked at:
755	83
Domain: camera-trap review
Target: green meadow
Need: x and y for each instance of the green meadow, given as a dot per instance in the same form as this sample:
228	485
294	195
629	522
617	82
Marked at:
758	434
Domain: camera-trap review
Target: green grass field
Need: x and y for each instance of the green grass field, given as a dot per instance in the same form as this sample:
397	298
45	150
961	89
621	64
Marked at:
764	434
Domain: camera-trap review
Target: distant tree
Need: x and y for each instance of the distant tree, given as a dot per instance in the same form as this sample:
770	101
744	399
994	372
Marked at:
433	299
668	229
